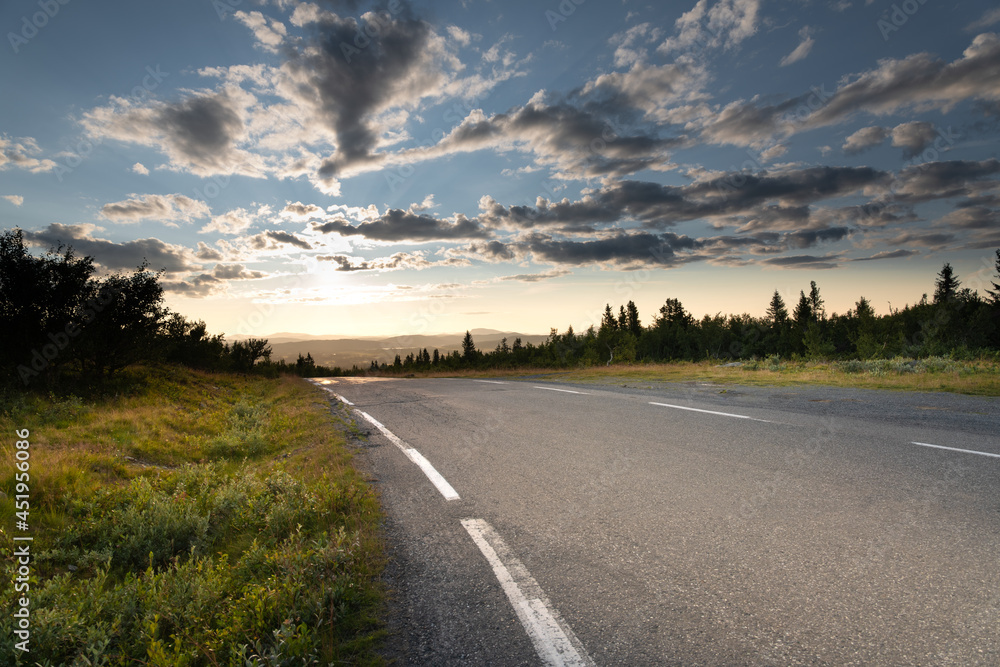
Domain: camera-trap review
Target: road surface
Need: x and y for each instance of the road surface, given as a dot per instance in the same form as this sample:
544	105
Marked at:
533	522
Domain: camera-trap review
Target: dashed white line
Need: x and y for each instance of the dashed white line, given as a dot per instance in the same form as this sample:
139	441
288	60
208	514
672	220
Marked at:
565	391
433	475
710	412
955	449
552	637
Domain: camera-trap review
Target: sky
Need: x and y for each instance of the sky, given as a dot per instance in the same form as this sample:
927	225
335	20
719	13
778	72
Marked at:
350	168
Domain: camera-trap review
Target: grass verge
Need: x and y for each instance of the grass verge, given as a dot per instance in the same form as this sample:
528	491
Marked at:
981	378
975	377
193	519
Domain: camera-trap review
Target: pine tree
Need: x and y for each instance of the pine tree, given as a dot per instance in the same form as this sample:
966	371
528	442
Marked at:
608	322
946	286
468	347
803	312
776	311
632	319
815	302
436	359
995	292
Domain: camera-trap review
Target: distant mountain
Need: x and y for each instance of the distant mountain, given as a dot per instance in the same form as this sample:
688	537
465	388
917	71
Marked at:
347	352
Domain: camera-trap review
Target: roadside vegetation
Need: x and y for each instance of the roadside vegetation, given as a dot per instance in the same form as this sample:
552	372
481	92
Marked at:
182	517
948	342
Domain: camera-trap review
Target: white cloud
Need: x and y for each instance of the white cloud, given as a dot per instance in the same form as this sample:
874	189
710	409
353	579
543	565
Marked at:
16	200
163	208
802	50
18	152
140	168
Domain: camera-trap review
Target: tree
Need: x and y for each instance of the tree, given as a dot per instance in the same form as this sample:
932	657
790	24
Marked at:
125	328
246	353
776	311
995	292
608	322
815	302
632	323
468	347
946	286
42	304
803	312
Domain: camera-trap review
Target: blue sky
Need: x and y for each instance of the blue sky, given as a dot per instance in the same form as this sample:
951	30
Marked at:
356	168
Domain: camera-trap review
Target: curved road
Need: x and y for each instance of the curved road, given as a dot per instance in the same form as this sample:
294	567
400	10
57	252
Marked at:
532	522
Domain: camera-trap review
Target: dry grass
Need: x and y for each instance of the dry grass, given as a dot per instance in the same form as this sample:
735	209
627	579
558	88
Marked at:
979	377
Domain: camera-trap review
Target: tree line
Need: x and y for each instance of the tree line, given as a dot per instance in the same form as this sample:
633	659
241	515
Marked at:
58	319
956	321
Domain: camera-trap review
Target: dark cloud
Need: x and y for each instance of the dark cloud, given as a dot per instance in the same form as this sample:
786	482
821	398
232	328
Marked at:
865	139
203	129
887	254
804	262
115	256
235	272
914	137
399	225
271	240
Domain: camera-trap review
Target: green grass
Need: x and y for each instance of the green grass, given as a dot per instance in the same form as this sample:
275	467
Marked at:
187	518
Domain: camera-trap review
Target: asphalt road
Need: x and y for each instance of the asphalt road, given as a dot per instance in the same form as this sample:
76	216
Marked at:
725	526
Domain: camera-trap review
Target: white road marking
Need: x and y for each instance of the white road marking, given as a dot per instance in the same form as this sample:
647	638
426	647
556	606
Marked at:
565	391
711	412
552	637
433	475
340	398
953	449
490	381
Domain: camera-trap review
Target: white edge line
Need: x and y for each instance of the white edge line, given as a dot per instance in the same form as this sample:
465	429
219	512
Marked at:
565	391
437	480
490	381
955	449
433	475
552	637
711	412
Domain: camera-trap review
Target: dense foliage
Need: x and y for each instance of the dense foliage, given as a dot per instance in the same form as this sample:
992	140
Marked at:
57	319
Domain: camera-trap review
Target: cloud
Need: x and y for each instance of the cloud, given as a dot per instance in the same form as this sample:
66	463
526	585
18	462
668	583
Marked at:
18	153
398	261
804	262
865	138
399	225
127	255
575	142
140	168
919	81
269	33
235	221
276	240
360	91
200	134
534	277
301	212
725	25
887	254
235	272
16	200
991	17
802	50
163	208
913	137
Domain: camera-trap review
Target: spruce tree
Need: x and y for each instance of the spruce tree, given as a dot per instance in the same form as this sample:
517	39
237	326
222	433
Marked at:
946	286
776	311
468	347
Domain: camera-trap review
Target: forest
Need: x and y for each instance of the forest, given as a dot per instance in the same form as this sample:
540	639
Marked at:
58	320
955	322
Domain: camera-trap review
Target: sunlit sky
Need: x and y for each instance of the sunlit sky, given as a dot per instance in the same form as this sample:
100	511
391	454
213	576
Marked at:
355	168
